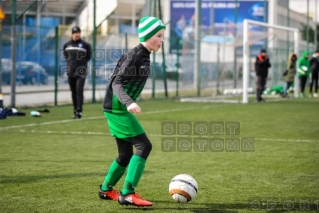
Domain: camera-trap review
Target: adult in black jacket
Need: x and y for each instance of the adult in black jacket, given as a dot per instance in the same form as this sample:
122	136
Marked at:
314	67
262	65
77	54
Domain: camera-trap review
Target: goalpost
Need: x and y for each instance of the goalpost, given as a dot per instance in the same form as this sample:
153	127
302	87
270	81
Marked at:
231	79
246	52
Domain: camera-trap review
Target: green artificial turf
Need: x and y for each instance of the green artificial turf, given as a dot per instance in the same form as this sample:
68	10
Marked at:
53	163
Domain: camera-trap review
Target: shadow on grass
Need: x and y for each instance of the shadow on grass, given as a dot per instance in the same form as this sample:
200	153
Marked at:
203	208
194	210
57	161
36	178
29	179
217	207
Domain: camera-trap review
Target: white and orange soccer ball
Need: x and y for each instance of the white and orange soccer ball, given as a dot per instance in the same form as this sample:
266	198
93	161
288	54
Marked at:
183	188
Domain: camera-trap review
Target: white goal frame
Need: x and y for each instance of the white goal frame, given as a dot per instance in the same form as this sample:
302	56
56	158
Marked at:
246	53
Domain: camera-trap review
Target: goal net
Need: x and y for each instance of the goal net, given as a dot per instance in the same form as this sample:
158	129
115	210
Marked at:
280	41
233	74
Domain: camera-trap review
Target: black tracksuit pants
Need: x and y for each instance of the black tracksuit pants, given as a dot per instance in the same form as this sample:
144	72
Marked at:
314	82
260	86
303	81
77	89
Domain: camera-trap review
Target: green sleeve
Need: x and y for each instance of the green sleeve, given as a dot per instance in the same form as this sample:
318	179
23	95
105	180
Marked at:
300	62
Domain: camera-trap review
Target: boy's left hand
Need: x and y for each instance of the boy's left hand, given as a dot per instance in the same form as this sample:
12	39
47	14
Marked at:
134	108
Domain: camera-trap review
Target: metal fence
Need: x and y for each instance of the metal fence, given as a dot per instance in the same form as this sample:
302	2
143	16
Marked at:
221	64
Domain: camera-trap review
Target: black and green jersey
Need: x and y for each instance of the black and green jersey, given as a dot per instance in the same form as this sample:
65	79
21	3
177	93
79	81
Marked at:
128	80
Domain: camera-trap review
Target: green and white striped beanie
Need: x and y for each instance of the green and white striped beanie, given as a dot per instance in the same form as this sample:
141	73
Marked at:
148	27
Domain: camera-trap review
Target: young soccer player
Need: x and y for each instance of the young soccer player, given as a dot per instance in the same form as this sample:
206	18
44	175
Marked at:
124	87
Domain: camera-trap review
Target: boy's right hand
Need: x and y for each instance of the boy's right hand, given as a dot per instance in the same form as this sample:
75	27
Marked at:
134	108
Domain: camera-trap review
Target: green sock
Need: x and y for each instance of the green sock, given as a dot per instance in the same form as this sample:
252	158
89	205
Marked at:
113	176
134	174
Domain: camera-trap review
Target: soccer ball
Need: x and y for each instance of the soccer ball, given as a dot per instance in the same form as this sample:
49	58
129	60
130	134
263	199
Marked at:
183	188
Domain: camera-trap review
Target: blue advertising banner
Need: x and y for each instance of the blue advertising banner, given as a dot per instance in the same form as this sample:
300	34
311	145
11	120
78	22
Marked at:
182	18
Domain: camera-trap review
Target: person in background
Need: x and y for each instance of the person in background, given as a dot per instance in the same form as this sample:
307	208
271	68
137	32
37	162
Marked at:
77	54
303	72
314	66
291	72
262	65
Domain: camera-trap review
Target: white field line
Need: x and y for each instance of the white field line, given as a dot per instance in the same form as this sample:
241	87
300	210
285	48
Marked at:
170	136
100	117
60	132
234	136
289	140
48	123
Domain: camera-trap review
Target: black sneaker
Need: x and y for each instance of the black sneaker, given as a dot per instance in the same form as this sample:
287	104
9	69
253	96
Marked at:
79	115
74	114
133	199
261	100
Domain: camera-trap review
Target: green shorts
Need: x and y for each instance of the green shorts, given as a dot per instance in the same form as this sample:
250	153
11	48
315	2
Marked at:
123	125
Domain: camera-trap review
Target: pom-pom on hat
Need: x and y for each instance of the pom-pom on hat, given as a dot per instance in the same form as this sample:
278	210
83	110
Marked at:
148	27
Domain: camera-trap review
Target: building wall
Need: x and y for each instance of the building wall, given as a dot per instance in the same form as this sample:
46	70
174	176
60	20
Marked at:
278	15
